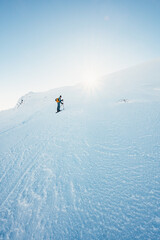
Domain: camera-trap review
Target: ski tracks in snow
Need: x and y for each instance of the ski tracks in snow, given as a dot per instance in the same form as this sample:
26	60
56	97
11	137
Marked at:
63	185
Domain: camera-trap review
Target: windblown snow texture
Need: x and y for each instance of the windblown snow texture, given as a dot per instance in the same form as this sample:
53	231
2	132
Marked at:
90	172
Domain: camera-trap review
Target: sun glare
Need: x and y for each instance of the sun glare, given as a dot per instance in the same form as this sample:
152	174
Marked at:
90	83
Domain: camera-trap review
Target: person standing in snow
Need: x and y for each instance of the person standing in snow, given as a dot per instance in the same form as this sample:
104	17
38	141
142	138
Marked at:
59	101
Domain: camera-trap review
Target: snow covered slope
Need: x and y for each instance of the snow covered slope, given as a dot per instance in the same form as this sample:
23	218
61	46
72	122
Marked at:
91	171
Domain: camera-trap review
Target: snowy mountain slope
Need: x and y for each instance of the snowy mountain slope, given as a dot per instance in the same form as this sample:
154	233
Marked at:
90	171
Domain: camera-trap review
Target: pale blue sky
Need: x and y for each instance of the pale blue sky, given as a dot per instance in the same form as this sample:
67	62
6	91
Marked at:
50	43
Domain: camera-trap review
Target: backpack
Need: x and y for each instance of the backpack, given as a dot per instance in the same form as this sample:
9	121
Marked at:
57	100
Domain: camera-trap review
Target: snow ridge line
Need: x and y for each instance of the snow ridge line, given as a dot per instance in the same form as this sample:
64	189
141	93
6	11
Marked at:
21	123
12	128
8	130
20	180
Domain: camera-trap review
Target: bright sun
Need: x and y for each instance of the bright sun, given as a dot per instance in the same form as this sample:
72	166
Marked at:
90	83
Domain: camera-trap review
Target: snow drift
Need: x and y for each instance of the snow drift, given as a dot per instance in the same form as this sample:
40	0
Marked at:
90	171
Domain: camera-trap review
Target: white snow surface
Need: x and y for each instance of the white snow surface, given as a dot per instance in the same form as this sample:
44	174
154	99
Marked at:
90	172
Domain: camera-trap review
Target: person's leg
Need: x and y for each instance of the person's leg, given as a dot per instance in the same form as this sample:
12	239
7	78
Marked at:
58	109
